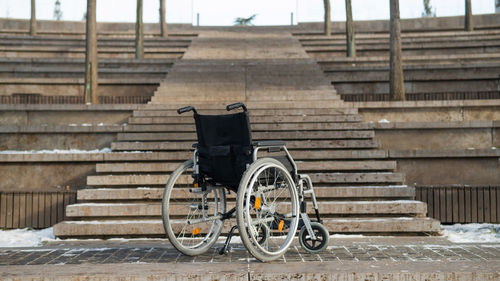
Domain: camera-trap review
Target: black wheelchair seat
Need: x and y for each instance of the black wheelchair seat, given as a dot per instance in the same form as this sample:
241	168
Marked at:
224	147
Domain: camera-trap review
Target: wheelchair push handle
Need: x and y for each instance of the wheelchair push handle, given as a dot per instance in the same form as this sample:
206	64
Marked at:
186	109
236	105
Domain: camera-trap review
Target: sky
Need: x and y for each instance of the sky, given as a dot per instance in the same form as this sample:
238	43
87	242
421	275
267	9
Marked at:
223	12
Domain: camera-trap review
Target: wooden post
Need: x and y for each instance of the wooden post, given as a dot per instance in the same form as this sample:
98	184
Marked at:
327	25
163	22
469	23
139	33
33	18
349	28
396	79
90	91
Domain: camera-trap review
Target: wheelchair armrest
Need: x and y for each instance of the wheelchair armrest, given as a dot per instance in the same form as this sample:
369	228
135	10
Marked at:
268	143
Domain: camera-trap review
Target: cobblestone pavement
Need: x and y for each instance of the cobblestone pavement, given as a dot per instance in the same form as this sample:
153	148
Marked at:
359	250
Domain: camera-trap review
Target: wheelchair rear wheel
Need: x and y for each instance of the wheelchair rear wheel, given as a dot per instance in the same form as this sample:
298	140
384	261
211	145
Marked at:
189	214
267	202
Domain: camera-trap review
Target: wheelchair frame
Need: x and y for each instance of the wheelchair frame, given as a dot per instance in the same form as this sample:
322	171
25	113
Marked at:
302	183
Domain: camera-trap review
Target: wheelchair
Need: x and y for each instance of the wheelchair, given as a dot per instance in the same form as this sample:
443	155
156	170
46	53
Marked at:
269	205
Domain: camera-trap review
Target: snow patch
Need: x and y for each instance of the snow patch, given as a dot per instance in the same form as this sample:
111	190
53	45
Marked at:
55	151
472	233
384	121
116	222
25	237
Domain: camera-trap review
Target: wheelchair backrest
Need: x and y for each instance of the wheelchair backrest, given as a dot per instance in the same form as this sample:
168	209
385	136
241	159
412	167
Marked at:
228	129
224	147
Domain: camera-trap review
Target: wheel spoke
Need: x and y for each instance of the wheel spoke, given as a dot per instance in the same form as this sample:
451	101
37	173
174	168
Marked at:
180	206
268	180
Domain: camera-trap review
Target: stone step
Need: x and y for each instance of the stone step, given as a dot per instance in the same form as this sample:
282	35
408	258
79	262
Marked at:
81	49
308	35
290	135
167	110
281	89
184	155
338	192
358	178
101	45
186	119
330	208
160	180
421	60
287	102
306	144
256	127
155	167
124	228
421	87
314	42
442	46
422	76
382	225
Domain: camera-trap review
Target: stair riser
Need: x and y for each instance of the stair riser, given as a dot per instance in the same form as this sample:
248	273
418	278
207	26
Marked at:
170	110
182	209
115	194
305	144
318	178
257	136
297	155
230	96
155	180
302	166
151	228
253	119
257	127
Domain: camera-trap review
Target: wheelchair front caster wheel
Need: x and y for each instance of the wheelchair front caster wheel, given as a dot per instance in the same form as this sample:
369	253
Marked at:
263	233
314	246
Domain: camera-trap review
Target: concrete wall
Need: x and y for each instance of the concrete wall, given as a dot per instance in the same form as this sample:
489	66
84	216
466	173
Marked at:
438	135
44	176
450	171
429	111
50	141
28	115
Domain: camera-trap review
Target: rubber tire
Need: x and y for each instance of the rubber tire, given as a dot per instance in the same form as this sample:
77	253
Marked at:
168	230
322	231
240	216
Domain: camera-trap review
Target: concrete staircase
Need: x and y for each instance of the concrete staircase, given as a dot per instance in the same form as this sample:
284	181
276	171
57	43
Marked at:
259	67
437	65
288	99
358	189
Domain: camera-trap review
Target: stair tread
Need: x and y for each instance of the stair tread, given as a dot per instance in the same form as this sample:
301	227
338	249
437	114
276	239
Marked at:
152	193
149	209
155	227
